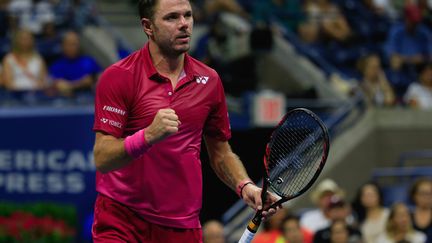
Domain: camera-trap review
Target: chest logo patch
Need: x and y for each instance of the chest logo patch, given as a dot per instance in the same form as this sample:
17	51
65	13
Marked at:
202	79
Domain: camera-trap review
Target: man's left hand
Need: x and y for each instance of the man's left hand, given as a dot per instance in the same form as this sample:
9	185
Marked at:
252	196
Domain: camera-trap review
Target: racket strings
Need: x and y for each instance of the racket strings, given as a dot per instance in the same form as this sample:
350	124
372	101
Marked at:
296	150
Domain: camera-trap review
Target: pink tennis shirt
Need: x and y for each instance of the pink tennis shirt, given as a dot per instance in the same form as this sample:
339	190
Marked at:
164	185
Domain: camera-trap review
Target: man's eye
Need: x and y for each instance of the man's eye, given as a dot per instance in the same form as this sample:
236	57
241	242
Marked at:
171	17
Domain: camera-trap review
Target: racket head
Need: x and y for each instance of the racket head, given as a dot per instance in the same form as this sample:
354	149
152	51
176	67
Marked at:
295	154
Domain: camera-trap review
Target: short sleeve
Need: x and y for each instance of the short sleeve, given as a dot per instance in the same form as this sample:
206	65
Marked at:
217	124
112	100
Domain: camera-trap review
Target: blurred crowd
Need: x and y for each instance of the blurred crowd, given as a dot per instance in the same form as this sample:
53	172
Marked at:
335	219
40	48
383	45
380	47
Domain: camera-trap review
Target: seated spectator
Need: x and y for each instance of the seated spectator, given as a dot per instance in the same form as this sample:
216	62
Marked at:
369	20
288	13
337	210
271	228
213	232
340	233
370	212
24	69
399	227
31	14
292	232
49	43
387	7
213	7
318	218
421	195
220	50
374	82
4	18
328	20
409	43
75	14
1	78
73	72
426	11
419	94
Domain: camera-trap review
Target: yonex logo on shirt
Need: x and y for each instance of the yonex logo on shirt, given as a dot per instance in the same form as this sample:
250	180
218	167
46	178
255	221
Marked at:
202	79
112	123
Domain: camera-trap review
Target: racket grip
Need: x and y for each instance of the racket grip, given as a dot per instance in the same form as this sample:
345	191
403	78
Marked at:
246	237
250	231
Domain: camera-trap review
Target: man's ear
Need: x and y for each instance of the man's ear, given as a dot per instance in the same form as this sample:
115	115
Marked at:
146	24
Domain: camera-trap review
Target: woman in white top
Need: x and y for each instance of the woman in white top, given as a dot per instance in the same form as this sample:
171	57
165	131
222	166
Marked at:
419	94
23	67
371	214
399	227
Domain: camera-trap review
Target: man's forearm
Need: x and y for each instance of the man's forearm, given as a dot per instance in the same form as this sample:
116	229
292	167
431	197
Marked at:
229	169
109	154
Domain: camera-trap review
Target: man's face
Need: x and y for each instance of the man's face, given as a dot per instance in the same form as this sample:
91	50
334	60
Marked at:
172	26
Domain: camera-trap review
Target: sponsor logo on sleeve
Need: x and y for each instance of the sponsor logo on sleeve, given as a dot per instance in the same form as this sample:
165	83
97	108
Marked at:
114	110
112	122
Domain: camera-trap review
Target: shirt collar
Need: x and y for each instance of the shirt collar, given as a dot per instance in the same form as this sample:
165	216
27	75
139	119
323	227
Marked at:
153	74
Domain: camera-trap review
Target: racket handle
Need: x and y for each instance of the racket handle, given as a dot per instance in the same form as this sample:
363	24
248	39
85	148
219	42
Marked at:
251	229
246	237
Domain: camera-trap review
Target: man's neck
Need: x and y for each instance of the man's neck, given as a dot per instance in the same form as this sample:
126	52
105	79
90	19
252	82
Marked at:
170	66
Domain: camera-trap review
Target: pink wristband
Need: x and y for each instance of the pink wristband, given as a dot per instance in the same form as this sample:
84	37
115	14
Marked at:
136	145
241	185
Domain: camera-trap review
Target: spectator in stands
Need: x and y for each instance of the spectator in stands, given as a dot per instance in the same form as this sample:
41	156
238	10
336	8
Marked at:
387	7
369	20
31	14
213	232
426	11
374	82
49	43
318	218
337	209
213	7
73	72
292	232
328	20
370	212
340	233
399	227
271	228
220	50
421	195
409	43
24	69
287	13
4	19
419	94
75	14
1	78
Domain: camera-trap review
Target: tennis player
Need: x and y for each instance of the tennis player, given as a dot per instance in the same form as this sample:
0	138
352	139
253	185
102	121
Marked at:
151	111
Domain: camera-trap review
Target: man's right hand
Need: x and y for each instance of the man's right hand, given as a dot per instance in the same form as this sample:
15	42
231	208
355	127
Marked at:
165	123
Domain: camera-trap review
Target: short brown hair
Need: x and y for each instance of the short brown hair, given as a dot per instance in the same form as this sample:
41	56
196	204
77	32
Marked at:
146	8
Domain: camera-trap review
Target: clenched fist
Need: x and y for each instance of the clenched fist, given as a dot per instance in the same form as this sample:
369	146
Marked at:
165	123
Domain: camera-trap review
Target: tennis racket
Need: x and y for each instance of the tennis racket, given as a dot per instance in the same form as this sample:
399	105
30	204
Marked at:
295	156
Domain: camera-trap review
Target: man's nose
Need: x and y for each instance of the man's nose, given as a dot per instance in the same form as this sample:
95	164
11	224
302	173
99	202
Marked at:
183	22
